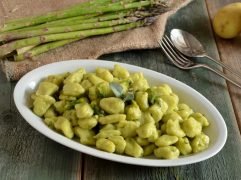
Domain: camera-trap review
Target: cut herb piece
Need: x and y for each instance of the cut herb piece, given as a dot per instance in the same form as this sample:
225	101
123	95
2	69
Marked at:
117	89
129	97
120	92
151	96
96	108
71	104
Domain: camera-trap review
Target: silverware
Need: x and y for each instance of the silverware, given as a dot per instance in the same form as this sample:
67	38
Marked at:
190	46
184	63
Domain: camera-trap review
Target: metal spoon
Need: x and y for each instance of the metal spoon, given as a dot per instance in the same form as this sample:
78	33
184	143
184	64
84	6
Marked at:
188	45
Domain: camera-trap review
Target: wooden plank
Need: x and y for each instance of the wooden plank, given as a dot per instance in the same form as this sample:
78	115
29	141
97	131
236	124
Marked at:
26	154
5	115
229	51
222	166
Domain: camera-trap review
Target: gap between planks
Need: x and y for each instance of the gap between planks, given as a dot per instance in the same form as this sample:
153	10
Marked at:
211	11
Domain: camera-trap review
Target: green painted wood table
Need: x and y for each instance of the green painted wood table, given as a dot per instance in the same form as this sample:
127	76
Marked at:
26	154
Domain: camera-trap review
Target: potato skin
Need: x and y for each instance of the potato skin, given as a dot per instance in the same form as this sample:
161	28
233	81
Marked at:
227	21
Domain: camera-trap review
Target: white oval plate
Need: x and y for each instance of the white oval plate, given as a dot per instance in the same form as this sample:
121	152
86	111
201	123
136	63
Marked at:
217	130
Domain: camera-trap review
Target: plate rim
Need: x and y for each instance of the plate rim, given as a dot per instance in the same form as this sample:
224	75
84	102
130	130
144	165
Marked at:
115	157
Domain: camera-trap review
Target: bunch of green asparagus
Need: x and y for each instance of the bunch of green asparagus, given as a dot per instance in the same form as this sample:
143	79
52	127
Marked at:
31	36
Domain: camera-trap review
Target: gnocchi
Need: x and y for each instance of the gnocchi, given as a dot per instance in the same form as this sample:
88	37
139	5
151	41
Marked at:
119	112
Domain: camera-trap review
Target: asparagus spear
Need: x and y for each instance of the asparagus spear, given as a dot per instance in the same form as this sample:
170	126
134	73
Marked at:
43	48
132	16
102	17
52	45
62	29
96	22
57	15
8	48
81	11
76	6
73	21
24	49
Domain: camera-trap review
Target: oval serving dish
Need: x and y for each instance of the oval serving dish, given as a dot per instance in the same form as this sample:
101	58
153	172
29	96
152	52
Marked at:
217	130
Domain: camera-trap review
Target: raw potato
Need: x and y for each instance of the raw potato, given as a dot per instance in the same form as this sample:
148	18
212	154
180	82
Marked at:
227	21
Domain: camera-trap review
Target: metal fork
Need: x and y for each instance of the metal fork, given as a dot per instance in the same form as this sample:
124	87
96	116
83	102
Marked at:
184	63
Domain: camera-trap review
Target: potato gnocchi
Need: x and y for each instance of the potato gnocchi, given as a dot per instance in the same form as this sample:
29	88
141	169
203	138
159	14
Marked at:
119	112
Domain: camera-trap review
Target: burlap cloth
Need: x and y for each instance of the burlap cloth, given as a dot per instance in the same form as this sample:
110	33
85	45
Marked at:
90	48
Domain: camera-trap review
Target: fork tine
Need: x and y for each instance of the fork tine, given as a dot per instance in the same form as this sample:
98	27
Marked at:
170	56
175	55
183	58
171	52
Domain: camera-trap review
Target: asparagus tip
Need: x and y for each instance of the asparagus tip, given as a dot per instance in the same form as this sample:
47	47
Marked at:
149	20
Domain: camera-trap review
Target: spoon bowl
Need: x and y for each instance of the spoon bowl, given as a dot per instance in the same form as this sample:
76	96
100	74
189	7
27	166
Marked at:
186	43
